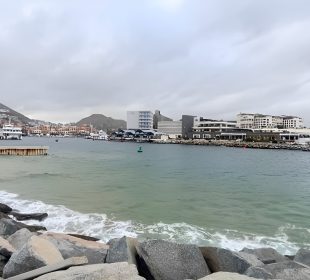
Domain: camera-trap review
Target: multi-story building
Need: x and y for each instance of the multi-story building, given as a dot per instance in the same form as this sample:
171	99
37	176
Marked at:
245	120
207	128
171	128
139	120
292	122
260	121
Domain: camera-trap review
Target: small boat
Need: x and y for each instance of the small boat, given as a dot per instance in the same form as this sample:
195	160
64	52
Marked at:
140	149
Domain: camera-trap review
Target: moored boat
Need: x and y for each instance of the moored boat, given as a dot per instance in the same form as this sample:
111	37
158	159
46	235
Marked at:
10	132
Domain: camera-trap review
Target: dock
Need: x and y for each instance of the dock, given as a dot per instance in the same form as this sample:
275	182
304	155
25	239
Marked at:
23	150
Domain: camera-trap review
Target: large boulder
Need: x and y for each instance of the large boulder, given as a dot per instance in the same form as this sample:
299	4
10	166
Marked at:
37	252
5	209
226	276
266	255
20	238
6	249
9	226
70	246
3	261
293	274
303	256
122	250
113	271
219	259
170	261
29	216
288	270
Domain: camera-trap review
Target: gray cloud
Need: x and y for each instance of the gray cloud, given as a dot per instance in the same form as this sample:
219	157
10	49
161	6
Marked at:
62	60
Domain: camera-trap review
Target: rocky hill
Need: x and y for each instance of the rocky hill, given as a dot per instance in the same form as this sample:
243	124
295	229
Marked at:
7	113
100	121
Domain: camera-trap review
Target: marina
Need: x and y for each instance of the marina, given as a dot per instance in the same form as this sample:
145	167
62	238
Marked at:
23	150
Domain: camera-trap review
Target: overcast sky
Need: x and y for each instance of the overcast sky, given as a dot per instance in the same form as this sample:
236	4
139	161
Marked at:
64	60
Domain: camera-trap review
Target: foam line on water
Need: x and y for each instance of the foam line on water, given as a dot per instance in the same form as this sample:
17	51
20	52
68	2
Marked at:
62	219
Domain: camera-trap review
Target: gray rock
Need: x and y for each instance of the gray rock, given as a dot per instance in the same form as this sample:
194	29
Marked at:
9	226
294	274
303	256
70	246
251	259
114	271
20	238
30	216
5	209
266	255
6	249
122	250
85	237
37	252
219	259
288	270
169	261
226	276
3	261
258	272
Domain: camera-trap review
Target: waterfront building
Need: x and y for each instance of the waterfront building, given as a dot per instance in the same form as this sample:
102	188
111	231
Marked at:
260	121
187	126
158	117
292	122
171	128
208	128
139	120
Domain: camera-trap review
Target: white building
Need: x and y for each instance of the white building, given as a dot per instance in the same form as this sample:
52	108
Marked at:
260	121
292	122
171	128
245	120
139	120
205	128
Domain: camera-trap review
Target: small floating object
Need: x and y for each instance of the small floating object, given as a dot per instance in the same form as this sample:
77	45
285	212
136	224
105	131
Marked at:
140	149
56	140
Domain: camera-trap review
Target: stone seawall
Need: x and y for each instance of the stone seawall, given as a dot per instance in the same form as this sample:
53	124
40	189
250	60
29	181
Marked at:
236	144
31	252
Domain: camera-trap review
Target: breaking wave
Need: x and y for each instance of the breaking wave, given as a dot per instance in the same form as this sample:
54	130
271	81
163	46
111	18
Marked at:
62	219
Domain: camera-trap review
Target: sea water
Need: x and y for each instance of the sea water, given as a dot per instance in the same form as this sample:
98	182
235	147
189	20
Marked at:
228	197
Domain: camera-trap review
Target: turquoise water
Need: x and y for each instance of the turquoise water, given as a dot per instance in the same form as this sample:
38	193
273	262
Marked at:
204	195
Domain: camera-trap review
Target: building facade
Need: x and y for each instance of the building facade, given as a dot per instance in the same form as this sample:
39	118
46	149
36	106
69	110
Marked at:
292	122
260	121
139	120
208	128
171	128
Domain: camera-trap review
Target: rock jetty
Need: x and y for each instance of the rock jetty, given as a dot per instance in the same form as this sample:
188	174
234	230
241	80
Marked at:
240	144
31	252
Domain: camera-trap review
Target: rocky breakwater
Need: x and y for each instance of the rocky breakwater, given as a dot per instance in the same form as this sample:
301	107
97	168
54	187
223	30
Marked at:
239	144
30	252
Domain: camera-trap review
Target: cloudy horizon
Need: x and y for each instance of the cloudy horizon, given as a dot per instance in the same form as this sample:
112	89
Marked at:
64	60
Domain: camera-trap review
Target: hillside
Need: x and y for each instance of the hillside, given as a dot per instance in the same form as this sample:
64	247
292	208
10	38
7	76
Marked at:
7	113
100	121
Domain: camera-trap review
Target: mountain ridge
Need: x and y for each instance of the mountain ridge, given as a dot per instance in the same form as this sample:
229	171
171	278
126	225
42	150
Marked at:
10	114
100	121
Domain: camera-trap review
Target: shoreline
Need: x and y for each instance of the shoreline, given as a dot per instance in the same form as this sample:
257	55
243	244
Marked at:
63	219
31	251
236	144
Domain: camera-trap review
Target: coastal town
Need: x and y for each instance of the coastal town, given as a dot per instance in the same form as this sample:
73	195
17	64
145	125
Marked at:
148	126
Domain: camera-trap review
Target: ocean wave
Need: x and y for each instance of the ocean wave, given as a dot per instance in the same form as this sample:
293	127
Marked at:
62	219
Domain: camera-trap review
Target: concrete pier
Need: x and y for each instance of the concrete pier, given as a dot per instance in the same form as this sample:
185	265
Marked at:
23	150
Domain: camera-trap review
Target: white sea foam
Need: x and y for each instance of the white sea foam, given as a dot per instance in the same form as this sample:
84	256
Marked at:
62	219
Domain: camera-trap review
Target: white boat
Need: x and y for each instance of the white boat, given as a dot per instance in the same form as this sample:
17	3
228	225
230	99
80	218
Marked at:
11	132
101	135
